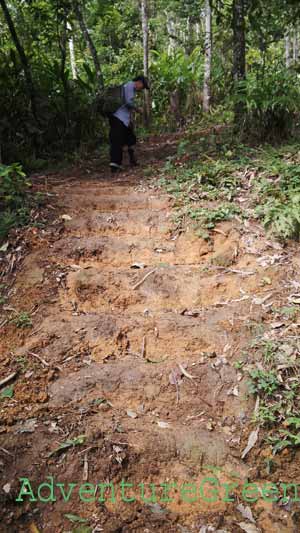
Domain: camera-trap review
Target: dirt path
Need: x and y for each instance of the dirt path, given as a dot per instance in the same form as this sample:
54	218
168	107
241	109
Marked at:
135	333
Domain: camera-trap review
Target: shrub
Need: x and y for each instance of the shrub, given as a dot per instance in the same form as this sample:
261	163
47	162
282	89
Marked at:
14	188
270	103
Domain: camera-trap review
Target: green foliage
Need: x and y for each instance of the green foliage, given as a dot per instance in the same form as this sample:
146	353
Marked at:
208	217
278	192
22	320
8	392
290	312
177	71
13	185
285	438
271	101
14	189
263	381
276	383
282	216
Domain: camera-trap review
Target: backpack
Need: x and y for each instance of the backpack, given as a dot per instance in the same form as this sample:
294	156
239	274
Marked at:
109	99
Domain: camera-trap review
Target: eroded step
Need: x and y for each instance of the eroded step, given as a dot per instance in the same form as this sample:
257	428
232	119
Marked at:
115	202
165	288
145	390
161	336
102	189
143	223
121	251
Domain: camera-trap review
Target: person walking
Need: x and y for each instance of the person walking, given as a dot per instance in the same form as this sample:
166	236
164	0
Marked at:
121	129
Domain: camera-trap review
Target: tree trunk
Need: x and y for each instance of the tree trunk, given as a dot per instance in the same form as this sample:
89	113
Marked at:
72	54
207	62
188	37
239	52
198	32
63	49
145	30
295	46
23	58
287	50
89	42
171	31
239	42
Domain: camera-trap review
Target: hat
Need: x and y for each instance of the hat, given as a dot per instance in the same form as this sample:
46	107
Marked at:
144	81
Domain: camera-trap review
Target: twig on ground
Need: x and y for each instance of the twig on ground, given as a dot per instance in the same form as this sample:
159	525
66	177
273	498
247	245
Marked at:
220	231
143	350
8	378
85	468
39	358
235	271
6	451
185	373
195	416
139	283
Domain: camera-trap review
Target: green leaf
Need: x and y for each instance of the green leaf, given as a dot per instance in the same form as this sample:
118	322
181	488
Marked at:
8	392
293	421
82	529
69	444
4	247
75	518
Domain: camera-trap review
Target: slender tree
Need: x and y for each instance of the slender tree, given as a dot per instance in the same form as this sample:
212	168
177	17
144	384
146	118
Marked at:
239	41
288	50
23	57
295	45
63	39
72	53
208	57
145	31
239	51
89	42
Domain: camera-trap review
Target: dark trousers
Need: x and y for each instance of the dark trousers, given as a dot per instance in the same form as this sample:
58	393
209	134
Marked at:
119	136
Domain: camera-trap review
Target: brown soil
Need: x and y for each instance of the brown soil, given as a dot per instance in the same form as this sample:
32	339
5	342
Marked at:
106	350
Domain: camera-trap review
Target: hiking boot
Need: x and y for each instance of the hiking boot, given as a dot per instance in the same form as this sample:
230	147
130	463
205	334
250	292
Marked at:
114	167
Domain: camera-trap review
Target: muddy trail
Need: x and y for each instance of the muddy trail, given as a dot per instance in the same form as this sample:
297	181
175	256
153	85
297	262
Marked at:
128	375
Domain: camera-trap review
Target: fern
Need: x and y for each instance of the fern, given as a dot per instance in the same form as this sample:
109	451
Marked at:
282	216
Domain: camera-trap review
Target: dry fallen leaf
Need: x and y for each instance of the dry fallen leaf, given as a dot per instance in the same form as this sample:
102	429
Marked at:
7	488
138	265
175	376
163	425
66	217
132	414
251	442
261	301
234	391
33	528
249	528
190	312
210	426
4	247
277	325
246	512
294	299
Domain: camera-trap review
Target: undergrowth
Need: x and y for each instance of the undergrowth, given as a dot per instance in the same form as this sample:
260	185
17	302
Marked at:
217	169
16	199
275	381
